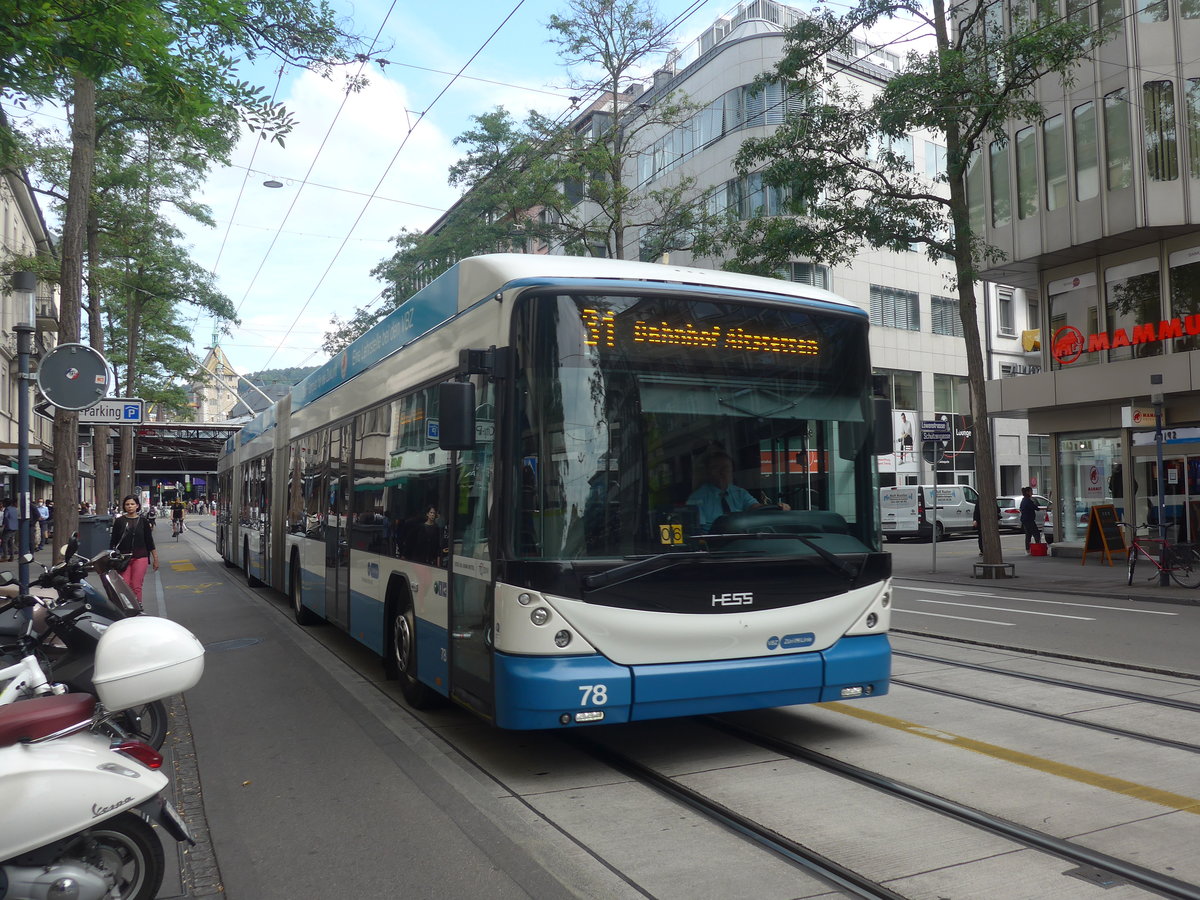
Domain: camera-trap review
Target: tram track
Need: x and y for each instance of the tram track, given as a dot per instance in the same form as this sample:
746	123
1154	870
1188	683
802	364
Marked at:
1134	696
1052	717
1066	850
1101	867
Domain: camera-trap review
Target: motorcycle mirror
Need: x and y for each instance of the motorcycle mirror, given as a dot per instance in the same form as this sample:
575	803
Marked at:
26	558
7	578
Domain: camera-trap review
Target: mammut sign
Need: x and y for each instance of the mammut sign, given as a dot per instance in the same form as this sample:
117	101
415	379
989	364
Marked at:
1069	343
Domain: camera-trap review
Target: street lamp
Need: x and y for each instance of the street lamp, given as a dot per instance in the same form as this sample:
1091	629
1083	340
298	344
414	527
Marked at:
24	285
1164	577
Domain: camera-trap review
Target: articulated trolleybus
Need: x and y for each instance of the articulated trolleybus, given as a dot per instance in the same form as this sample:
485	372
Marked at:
516	490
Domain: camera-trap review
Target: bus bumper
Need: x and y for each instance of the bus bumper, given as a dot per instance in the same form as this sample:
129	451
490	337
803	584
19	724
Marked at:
552	692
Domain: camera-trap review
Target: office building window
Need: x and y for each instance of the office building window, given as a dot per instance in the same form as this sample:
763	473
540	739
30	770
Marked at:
808	273
935	158
1004	311
1001	191
1152	11
1033	317
1079	12
894	308
1192	103
1162	149
1184	280
1054	139
946	319
1189	9
1027	180
1074	315
1131	299
904	388
1087	160
946	394
1118	150
1112	13
975	194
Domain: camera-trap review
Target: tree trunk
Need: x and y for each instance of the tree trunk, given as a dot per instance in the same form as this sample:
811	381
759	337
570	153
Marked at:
133	321
101	455
66	424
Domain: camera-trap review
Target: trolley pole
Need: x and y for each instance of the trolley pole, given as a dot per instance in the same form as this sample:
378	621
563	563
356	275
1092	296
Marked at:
1164	577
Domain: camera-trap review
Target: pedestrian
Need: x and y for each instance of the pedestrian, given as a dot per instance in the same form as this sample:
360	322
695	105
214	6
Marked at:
10	526
44	521
978	526
131	535
48	522
35	519
1029	510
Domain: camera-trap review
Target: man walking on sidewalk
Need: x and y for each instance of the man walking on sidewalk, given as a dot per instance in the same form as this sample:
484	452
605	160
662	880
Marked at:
1029	510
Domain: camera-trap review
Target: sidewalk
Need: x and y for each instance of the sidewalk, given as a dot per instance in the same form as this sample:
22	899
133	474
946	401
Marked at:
1064	572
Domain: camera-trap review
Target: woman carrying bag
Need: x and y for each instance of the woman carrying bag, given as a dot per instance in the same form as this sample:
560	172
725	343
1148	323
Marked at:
131	534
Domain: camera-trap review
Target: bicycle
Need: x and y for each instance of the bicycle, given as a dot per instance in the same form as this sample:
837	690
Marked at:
1180	561
176	528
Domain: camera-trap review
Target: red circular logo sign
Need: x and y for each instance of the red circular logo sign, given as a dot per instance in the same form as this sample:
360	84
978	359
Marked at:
1067	345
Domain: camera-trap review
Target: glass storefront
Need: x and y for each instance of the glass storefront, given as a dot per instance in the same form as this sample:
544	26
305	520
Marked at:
1090	474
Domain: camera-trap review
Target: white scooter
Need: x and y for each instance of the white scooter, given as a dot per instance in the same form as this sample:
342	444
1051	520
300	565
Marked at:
75	806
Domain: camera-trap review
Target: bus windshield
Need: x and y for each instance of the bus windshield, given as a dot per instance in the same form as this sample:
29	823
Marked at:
651	424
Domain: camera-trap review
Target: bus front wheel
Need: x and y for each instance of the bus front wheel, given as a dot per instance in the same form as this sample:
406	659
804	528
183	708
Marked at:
401	660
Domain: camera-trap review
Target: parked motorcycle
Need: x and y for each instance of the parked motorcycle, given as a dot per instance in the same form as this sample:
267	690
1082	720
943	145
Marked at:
76	807
70	617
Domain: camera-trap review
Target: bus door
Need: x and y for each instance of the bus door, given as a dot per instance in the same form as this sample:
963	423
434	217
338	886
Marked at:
472	587
337	551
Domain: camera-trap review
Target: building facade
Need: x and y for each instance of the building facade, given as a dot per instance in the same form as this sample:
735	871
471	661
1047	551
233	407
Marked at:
23	235
1097	209
916	342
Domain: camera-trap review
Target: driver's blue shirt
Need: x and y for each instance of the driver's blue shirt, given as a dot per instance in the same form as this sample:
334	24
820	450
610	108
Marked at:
707	498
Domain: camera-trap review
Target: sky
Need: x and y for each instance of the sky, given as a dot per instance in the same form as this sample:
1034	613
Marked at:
359	167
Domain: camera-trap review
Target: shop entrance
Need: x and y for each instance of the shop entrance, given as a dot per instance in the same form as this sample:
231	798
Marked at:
1181	493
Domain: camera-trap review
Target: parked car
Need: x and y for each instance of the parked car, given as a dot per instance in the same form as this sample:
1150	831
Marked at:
1010	510
1082	513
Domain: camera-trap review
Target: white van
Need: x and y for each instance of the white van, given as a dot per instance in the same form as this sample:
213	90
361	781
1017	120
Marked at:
907	511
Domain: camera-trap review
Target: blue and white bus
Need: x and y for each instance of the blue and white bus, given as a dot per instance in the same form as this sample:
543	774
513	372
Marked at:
501	490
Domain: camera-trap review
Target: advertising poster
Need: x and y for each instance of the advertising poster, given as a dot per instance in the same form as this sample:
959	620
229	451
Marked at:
906	436
1092	479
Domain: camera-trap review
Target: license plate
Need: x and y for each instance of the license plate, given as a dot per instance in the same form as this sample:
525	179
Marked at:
887	525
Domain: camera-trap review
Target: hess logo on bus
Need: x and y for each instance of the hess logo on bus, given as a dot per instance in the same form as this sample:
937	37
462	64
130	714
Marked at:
737	599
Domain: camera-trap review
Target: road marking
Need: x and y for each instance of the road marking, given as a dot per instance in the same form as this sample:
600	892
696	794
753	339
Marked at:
1019	612
916	612
1037	763
1145	612
194	588
183	565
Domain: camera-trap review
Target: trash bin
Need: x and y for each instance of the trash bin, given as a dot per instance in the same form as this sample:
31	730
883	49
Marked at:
94	534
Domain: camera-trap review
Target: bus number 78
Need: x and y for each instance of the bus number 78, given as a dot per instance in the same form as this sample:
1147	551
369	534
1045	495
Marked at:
594	694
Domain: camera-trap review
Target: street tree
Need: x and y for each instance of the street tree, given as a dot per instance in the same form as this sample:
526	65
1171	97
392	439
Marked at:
186	53
848	189
567	185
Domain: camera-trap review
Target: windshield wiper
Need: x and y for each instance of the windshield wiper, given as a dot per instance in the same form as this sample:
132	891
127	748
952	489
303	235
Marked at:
834	561
640	567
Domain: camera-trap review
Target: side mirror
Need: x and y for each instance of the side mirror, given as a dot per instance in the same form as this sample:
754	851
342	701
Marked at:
884	436
456	415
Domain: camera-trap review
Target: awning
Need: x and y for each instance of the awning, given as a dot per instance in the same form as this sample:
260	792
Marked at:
8	470
40	475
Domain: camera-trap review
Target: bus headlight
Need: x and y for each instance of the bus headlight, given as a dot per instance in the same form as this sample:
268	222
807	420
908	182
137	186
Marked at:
540	616
871	620
524	599
562	639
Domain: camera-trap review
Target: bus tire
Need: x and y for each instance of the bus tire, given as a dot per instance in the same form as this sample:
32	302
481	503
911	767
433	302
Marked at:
304	615
400	663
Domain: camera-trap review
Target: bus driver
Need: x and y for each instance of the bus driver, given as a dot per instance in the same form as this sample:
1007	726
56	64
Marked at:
719	495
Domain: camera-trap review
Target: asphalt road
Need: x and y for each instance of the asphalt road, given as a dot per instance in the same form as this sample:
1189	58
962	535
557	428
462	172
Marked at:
1059	605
